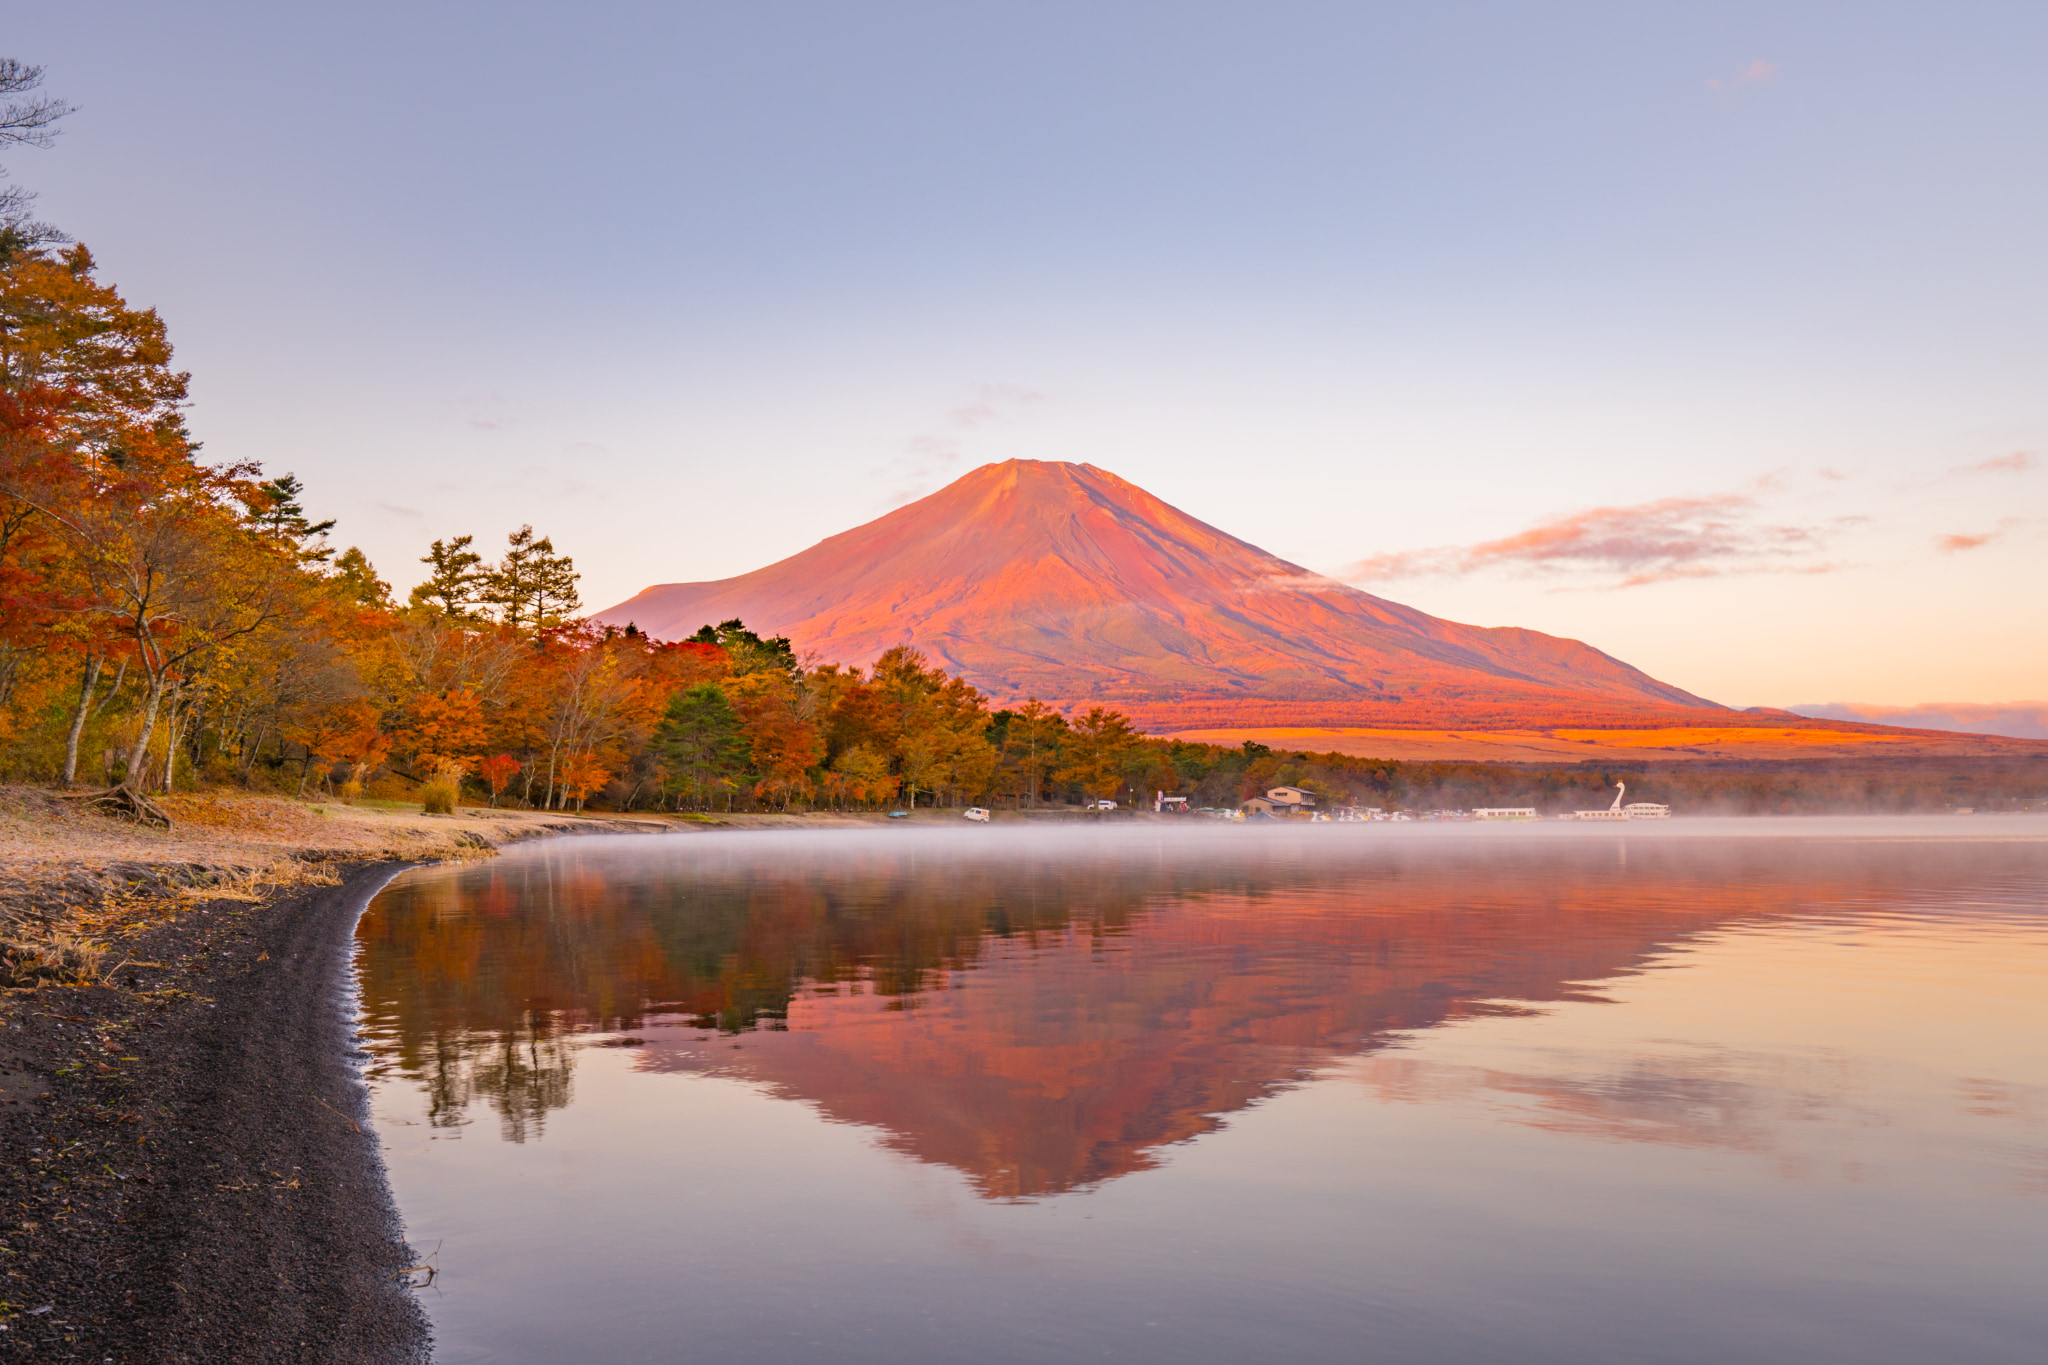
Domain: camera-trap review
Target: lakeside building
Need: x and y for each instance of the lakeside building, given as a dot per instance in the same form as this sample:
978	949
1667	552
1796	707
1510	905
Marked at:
1281	803
1503	812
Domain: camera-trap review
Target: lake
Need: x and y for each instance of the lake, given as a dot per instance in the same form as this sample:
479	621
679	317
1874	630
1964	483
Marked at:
1700	1092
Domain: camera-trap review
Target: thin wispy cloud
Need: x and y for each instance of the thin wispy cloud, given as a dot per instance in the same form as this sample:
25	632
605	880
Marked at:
1631	546
1758	72
1957	542
2019	462
2020	719
1997	467
935	455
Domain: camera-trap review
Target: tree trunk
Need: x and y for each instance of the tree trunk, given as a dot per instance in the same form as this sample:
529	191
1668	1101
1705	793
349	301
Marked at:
71	737
253	755
144	733
174	733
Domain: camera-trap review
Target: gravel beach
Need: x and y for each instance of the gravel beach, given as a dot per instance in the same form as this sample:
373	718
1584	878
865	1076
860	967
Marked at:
187	1170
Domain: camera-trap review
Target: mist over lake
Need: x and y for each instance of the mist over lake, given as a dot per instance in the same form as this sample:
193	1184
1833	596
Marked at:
1699	1092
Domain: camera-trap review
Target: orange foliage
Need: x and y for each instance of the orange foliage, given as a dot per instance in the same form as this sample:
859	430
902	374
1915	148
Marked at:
443	731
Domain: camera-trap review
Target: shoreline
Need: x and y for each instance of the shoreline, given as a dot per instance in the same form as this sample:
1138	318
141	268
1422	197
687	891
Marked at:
189	1173
194	1178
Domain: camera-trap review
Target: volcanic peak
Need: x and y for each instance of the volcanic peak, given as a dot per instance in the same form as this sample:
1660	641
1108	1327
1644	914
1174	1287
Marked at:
1065	582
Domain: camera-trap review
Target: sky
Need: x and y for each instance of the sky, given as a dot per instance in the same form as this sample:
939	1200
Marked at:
1714	336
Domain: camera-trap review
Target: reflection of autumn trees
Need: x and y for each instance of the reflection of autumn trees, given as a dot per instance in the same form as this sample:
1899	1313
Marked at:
522	1073
480	976
1116	996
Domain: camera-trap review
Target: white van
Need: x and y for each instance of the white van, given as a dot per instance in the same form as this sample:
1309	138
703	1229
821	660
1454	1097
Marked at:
976	814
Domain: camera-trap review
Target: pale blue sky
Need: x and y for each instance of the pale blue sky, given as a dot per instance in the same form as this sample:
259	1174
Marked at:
691	286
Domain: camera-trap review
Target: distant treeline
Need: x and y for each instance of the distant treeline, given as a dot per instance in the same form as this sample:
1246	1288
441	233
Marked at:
1791	787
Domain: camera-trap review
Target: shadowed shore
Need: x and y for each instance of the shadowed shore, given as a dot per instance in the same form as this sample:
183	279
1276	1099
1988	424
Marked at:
190	1177
188	1174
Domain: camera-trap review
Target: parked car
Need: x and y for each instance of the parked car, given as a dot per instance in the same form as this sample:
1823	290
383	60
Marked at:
1102	803
976	814
899	815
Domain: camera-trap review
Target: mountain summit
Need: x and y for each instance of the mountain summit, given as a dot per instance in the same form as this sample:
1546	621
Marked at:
1064	582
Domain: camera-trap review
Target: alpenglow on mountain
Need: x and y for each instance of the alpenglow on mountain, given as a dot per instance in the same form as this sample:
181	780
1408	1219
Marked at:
1064	582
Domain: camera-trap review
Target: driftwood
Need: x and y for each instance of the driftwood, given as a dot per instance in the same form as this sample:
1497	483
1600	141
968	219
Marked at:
123	801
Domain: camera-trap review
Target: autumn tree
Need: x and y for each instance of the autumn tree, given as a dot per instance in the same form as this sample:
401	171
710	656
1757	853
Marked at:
497	771
861	774
782	743
1029	747
940	726
442	732
748	652
332	731
1098	744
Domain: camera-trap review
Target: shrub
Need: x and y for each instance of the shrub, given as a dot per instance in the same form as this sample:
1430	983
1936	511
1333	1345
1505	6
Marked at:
438	796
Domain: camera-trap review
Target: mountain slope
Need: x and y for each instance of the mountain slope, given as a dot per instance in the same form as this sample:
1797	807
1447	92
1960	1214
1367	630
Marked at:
1062	581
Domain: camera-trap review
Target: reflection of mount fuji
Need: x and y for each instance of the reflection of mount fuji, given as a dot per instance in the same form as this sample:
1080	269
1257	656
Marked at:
1036	1023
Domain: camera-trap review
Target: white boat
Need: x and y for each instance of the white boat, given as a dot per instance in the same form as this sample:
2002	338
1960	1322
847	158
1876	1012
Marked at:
1613	812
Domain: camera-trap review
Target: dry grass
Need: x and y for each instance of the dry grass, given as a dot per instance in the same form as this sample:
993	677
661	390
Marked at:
70	879
60	960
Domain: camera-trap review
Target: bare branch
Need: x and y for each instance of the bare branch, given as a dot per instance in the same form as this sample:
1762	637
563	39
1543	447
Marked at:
28	122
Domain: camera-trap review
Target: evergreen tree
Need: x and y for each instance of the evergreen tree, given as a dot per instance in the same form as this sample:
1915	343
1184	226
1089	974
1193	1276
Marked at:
454	588
700	744
532	587
283	515
358	577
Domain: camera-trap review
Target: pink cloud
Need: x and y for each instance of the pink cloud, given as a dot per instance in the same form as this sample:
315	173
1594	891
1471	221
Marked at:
1650	542
1951	544
2019	462
1758	72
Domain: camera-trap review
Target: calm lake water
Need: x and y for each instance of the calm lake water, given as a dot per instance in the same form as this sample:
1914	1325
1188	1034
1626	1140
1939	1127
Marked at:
1704	1092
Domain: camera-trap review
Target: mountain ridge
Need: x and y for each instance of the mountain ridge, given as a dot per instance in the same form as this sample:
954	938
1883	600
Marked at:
1066	582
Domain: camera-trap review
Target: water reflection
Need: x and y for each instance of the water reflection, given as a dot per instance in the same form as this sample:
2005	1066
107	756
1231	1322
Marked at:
1042	1020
